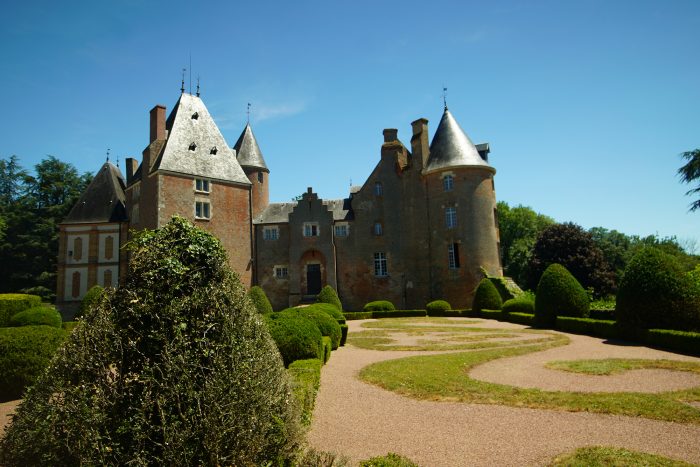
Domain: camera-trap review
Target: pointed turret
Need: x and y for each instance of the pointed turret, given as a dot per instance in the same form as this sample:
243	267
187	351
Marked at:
103	200
248	152
452	148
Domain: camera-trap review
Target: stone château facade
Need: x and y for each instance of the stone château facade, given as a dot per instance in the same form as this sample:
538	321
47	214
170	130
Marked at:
422	227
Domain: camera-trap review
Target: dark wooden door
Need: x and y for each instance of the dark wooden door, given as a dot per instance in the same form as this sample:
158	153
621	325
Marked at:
313	279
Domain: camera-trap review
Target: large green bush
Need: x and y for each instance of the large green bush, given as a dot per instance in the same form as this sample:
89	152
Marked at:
486	297
655	292
437	306
24	354
379	305
89	300
326	324
13	303
260	300
175	367
329	295
559	294
297	337
37	316
330	310
522	304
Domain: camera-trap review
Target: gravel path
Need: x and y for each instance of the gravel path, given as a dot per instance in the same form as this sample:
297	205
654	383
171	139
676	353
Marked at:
360	420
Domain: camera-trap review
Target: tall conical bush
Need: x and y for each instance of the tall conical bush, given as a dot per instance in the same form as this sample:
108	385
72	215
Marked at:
559	294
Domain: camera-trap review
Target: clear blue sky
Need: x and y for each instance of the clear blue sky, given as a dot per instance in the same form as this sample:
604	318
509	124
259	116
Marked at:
587	105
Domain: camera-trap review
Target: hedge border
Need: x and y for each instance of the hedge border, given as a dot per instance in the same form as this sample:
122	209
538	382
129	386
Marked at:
306	378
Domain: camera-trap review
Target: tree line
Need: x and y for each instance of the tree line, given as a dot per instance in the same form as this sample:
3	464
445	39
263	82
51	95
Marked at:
32	204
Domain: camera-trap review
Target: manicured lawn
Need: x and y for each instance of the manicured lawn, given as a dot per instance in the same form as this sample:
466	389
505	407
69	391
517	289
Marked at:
600	456
613	366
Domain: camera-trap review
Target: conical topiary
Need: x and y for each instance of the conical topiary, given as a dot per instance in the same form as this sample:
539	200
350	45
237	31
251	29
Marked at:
559	294
173	368
259	299
329	295
486	296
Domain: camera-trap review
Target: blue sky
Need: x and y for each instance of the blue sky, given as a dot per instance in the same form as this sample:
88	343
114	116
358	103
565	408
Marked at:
587	105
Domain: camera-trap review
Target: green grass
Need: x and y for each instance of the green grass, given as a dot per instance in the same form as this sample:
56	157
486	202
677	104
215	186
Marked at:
613	366
390	460
599	456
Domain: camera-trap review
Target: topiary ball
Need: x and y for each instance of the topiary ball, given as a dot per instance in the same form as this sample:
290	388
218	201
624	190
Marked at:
330	310
89	300
297	337
329	295
326	323
486	296
437	306
259	299
37	316
655	292
379	305
522	304
559	294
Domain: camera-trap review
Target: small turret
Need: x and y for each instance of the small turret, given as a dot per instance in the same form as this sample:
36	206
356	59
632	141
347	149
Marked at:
251	160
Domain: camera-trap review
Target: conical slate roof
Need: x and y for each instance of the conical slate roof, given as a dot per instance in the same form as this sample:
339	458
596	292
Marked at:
195	146
248	152
103	200
452	148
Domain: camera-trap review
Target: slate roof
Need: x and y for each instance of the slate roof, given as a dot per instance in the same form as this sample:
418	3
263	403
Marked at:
278	213
451	147
103	200
248	152
195	146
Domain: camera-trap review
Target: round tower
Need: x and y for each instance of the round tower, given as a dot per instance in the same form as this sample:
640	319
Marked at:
251	160
464	238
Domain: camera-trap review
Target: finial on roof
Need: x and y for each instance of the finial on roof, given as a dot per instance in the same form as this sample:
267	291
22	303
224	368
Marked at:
182	86
197	85
108	154
190	73
444	96
248	112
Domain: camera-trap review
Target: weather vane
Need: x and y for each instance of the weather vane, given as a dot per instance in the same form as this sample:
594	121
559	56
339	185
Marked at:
108	154
182	86
444	96
197	85
248	112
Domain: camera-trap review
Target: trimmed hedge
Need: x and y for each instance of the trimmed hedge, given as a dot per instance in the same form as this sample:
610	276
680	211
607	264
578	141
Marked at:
327	348
325	322
559	294
330	310
398	313
343	334
24	354
501	287
13	303
260	300
297	338
527	319
352	315
449	313
522	304
678	341
89	300
306	379
492	314
329	295
37	316
486	296
590	327
605	315
379	305
437	306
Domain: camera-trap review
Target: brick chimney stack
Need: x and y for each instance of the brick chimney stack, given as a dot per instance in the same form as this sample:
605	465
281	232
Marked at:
419	143
391	135
131	166
157	123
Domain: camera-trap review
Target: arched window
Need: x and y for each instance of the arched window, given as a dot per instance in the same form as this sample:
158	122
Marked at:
78	249
448	182
109	247
75	289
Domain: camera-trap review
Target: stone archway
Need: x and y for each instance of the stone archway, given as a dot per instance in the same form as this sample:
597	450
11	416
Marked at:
312	267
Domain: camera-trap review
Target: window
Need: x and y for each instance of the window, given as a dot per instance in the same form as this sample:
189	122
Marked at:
453	255
202	210
195	116
193	146
78	249
281	272
451	217
380	269
213	150
378	189
341	230
270	233
260	177
201	185
107	278
310	229
109	248
448	182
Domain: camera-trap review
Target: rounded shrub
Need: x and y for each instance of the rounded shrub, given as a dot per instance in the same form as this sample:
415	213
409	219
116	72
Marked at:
559	294
486	296
655	292
437	306
36	316
175	367
325	322
25	352
297	337
259	299
89	300
379	305
13	303
329	295
330	310
521	304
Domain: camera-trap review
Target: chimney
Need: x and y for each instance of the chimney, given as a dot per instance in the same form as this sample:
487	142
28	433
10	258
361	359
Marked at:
419	143
157	123
131	166
390	135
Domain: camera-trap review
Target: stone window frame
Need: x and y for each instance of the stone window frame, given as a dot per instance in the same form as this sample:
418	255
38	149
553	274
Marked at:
202	185
342	229
448	182
453	256
450	217
271	232
381	267
202	209
281	271
378	189
310	229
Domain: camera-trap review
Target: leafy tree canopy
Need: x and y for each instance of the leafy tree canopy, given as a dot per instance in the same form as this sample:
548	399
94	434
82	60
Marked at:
690	173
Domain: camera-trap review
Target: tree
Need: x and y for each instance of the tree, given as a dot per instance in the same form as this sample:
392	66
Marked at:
12	180
572	247
689	173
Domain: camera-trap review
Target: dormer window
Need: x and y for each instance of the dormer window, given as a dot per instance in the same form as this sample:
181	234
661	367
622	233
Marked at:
195	116
213	150
193	146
